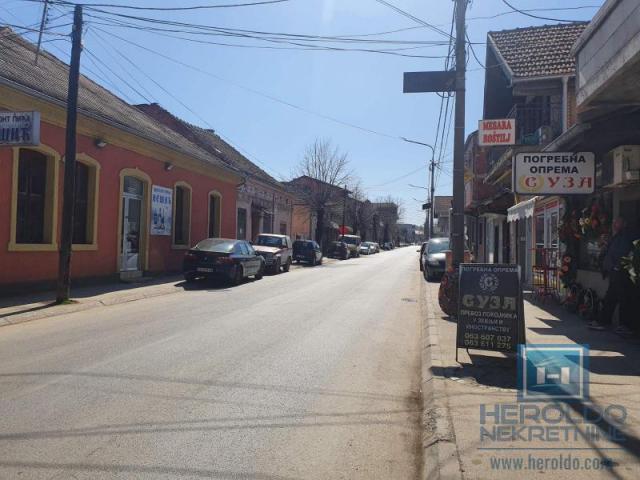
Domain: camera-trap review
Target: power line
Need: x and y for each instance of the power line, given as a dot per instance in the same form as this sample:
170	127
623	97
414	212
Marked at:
167	9
413	17
252	90
523	12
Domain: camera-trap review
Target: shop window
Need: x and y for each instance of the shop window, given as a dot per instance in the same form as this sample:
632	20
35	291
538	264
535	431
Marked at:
283	228
34	199
85	205
182	215
242	224
267	223
81	204
214	214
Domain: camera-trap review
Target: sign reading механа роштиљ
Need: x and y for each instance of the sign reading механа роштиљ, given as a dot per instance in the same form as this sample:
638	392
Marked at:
20	129
554	173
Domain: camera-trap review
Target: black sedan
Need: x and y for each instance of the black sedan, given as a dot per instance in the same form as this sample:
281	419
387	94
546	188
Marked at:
233	260
307	251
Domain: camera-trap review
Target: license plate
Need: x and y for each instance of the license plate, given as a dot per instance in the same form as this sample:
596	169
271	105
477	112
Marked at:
205	270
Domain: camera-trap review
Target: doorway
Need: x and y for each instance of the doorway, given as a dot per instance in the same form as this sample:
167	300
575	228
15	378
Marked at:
132	224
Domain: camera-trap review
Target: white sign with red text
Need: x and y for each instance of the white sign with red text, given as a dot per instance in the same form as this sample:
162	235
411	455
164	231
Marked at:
554	173
497	132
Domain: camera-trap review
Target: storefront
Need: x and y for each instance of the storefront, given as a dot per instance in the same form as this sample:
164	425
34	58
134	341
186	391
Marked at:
144	194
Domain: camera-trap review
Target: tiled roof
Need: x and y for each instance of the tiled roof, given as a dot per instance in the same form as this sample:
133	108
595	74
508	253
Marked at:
209	141
49	79
539	51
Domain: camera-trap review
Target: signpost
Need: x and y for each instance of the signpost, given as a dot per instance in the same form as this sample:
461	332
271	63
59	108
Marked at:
20	129
557	173
490	307
497	132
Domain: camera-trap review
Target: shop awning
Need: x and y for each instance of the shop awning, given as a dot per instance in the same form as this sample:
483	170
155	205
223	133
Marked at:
521	210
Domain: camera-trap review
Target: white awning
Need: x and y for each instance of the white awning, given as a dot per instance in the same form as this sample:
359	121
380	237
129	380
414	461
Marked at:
521	210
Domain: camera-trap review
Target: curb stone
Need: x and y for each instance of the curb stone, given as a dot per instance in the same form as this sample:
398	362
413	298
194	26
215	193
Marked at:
441	456
105	300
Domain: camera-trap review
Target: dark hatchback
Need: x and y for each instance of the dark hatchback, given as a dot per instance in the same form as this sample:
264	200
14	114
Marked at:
338	250
233	260
307	251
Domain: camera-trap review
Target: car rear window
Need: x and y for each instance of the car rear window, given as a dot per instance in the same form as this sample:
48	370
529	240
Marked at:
267	241
220	245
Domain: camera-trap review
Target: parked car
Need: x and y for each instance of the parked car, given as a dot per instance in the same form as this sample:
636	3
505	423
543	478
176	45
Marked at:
338	249
366	248
388	246
276	251
376	247
433	257
233	260
307	251
421	251
353	244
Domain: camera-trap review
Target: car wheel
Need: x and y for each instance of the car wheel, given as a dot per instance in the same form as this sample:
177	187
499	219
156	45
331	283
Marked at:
319	261
287	265
189	277
238	275
276	267
421	266
260	273
427	275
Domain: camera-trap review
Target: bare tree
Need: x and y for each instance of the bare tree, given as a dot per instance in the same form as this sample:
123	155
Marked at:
322	173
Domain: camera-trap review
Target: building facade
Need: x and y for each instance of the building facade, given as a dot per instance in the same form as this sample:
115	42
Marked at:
143	193
263	205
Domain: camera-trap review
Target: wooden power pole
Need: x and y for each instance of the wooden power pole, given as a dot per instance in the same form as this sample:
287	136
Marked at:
66	235
457	232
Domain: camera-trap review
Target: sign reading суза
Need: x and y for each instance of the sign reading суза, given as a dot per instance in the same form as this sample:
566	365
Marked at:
490	308
20	129
554	173
501	131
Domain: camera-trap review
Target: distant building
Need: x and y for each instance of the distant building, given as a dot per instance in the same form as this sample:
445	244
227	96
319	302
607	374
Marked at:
442	205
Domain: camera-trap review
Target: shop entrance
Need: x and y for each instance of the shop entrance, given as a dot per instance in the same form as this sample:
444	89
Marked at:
131	228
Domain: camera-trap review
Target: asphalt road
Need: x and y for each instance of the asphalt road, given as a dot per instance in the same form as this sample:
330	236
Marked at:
312	374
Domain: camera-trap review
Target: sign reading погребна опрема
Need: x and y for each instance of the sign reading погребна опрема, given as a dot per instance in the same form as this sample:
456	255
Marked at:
490	308
20	129
554	173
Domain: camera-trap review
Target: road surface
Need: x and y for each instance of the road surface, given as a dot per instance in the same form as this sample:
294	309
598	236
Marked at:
312	374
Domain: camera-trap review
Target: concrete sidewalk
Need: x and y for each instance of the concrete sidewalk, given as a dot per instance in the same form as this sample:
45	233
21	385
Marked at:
35	306
454	394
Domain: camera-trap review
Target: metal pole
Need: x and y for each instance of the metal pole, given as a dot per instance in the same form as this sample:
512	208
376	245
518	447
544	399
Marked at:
344	211
432	168
66	235
458	145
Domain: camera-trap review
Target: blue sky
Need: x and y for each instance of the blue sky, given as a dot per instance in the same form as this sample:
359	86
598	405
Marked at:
363	89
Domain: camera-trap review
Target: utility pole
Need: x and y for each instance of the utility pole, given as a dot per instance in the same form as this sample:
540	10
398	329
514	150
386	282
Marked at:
344	211
43	22
457	235
431	189
66	235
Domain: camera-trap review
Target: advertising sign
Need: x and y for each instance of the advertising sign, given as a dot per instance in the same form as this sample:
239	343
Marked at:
20	129
161	210
554	173
490	307
497	132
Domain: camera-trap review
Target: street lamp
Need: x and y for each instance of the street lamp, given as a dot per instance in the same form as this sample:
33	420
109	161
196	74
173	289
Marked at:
431	169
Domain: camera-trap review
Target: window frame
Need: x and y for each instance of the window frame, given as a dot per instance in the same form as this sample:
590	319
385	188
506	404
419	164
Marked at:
186	229
218	218
92	202
50	227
